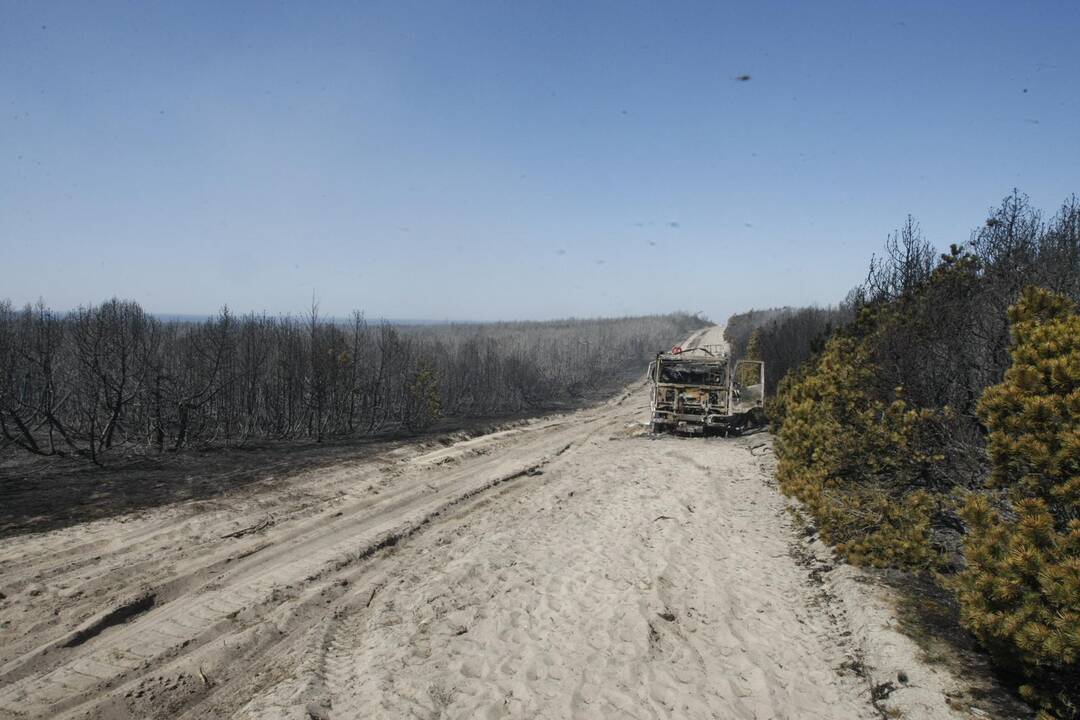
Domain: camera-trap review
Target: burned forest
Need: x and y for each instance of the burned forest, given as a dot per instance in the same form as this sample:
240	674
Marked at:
111	380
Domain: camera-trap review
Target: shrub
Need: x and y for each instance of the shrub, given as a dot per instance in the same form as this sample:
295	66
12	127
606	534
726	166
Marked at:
1020	594
904	410
855	461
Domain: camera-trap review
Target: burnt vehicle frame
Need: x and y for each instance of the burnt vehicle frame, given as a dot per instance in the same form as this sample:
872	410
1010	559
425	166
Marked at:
700	391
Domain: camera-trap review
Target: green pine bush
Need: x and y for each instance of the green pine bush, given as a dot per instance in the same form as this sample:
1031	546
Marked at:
1020	592
855	461
423	404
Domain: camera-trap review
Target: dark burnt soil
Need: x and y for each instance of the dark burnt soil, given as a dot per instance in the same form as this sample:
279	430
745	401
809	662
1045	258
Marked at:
41	494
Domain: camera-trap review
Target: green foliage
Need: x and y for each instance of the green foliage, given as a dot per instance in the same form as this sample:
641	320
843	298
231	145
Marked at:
1020	594
889	432
855	461
423	405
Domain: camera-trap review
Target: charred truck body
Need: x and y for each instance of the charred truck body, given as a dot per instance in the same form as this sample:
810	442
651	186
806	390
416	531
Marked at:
699	392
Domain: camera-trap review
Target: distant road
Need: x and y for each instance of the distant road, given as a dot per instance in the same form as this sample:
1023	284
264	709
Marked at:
709	337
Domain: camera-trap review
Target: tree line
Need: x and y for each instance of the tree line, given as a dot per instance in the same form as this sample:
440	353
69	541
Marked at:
110	379
933	424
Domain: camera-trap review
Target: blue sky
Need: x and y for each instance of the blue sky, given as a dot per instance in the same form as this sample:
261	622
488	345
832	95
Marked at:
486	160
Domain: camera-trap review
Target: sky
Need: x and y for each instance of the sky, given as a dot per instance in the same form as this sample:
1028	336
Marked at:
509	160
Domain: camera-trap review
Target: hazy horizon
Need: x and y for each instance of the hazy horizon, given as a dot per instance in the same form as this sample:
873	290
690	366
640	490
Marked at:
347	319
485	161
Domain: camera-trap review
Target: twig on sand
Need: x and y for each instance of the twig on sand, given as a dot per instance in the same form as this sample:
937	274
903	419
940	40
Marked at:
662	517
202	676
372	596
251	529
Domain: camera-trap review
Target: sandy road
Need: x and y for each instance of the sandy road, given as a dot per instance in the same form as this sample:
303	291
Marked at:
570	567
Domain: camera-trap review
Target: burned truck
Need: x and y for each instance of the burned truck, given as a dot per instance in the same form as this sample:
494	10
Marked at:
698	391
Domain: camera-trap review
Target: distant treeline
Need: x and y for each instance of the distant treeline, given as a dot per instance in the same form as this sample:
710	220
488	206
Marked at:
110	379
933	423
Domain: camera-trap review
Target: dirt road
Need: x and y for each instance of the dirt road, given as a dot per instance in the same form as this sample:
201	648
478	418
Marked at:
570	567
